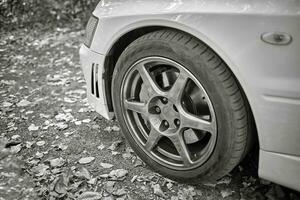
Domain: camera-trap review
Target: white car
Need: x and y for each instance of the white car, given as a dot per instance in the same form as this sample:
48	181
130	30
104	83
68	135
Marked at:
195	83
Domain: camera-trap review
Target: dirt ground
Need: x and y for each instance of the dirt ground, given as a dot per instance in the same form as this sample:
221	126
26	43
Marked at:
54	146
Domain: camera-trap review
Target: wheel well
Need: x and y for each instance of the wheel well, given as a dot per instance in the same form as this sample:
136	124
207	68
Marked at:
114	54
121	44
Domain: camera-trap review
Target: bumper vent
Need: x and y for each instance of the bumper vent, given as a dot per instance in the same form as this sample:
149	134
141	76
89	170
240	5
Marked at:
94	80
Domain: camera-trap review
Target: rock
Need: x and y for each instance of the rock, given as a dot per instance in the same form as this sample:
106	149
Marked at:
174	198
40	169
199	193
124	197
61	146
61	126
16	148
57	162
145	189
187	193
133	178
108	129
59	186
83	173
169	185
101	147
119	192
15	137
29	144
86	121
67	110
69	100
157	190
44	116
114	145
191	191
113	128
40	143
108	198
264	182
109	186
252	180
29	112
75	186
92	181
86	160
33	162
23	103
210	184
6	104
89	195
275	193
77	123
64	117
104	176
226	193
225	180
67	134
8	82
279	192
33	127
118	173
245	184
106	165
81	110
56	171
115	153
95	126
39	155
138	163
126	155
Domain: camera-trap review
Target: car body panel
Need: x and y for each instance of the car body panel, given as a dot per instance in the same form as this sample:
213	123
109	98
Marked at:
280	168
269	74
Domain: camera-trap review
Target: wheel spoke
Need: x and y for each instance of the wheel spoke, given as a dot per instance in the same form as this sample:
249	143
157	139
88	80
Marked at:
192	121
178	87
153	139
182	149
139	107
148	80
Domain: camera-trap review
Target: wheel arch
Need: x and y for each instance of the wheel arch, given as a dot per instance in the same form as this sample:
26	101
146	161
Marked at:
126	38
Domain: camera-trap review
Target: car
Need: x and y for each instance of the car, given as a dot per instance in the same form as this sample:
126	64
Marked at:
195	84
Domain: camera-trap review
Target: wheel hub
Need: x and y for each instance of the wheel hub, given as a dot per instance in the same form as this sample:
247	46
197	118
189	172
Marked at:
164	115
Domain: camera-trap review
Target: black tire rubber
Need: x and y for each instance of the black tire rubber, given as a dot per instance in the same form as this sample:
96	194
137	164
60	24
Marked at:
231	107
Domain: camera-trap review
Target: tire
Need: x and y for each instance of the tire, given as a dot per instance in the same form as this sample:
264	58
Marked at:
228	120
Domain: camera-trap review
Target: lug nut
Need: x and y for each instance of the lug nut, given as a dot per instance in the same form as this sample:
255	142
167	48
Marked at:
165	100
177	122
157	109
166	123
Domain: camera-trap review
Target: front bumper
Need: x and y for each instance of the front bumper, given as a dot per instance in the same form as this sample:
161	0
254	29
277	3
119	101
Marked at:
92	65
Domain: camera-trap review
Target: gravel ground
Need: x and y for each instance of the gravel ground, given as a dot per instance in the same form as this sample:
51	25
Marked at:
54	146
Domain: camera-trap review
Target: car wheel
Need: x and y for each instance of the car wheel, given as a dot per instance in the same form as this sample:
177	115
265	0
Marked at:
180	107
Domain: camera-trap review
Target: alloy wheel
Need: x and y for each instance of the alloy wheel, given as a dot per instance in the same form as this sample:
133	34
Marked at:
168	113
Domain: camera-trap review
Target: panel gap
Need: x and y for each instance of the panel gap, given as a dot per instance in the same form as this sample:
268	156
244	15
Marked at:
96	81
92	80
